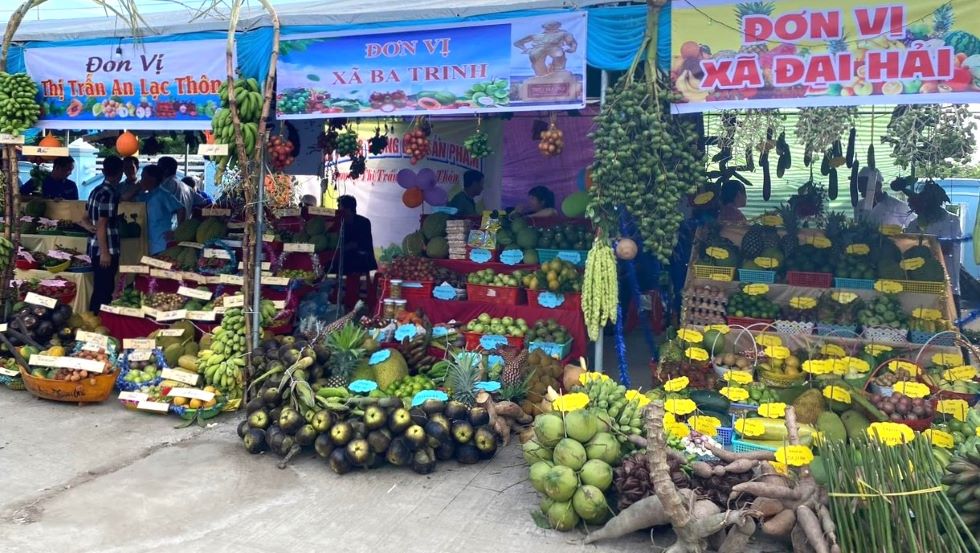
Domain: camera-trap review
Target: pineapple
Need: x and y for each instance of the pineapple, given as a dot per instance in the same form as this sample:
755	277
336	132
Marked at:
754	241
513	372
753	8
346	347
790	240
462	376
943	19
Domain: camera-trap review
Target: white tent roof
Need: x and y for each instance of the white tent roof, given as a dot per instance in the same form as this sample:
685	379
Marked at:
314	12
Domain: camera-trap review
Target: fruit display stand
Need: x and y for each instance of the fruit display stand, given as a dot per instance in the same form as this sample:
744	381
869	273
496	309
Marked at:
83	284
64	210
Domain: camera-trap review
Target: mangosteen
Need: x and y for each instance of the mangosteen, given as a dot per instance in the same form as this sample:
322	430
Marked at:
486	441
287	444
322	420
259	419
60	317
43	331
29	321
341	433
399	452
323	445
379	440
433	406
456	410
359	452
399	420
274	414
242	428
290	420
424	461
416	436
446	450
254	405
360	429
41	312
339	462
436	431
479	416
305	435
254	440
462	432
441	420
271	397
374	417
467	454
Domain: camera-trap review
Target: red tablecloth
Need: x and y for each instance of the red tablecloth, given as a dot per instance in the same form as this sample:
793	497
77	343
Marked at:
440	311
122	327
465	266
292	296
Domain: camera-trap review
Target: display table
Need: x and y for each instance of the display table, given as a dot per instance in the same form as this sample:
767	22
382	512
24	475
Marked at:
440	311
83	284
132	248
74	210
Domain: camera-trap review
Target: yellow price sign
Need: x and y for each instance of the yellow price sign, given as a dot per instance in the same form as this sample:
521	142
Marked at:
843	298
680	406
836	393
947	359
896	365
679	430
940	438
767	262
724	329
912	263
773	410
669	419
833	350
840	366
704	197
771	220
927	314
963	372
738	377
721	277
690	335
756	289
957	408
818	366
677	384
635	395
696	354
717	253
750	427
734	393
777	352
891	433
821	242
889	287
768	340
803	302
858	249
876	349
913	390
890	230
794	455
704	424
857	365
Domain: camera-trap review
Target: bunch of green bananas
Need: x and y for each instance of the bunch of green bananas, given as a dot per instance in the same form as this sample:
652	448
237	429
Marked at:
268	312
6	252
19	109
600	288
608	399
963	478
223	365
248	97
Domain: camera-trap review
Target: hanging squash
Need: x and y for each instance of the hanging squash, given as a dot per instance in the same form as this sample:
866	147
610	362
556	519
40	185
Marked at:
127	144
412	197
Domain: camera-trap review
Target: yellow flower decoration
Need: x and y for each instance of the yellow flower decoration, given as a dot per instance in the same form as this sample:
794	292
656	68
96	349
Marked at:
570	402
690	335
679	430
777	352
587	377
638	396
768	340
669	419
673	385
724	329
696	354
891	433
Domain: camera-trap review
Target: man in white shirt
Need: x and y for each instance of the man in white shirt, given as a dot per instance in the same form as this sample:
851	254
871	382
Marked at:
179	190
880	209
932	218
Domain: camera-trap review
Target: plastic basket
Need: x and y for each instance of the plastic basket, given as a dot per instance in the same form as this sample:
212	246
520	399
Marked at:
890	335
745	446
754	275
828	329
55	269
793	328
559	351
725	435
473	341
126	386
812	280
501	295
776	379
854	283
943	338
546	255
572	302
709	272
416	291
918	287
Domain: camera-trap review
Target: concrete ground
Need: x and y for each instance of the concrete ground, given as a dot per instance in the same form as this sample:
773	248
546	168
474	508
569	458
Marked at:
102	478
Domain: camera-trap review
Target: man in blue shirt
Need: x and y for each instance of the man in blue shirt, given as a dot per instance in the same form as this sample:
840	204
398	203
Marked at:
160	208
57	185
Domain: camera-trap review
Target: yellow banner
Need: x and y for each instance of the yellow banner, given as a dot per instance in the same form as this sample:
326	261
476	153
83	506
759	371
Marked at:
796	53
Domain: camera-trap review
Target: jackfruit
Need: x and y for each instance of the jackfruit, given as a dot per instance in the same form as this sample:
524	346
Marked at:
437	248
187	231
434	225
809	405
413	244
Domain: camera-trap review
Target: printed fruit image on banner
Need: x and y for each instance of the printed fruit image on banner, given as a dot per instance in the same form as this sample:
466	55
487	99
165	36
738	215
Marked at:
787	53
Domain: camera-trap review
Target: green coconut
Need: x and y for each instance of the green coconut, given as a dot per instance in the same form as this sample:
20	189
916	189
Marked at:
549	429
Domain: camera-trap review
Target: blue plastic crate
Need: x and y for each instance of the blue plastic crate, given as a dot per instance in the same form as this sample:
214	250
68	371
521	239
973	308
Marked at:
761	276
741	446
843	331
920	337
725	435
854	283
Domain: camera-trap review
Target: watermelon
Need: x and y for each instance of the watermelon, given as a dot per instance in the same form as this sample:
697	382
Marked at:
963	43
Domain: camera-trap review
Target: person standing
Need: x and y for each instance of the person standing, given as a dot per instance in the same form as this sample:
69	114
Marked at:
160	209
733	199
201	198
541	203
57	185
103	247
179	190
933	218
465	201
130	186
358	251
880	209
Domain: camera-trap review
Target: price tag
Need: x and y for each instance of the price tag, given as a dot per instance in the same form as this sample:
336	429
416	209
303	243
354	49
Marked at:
734	394
43	301
139	343
230	243
723	329
703	198
890	230
889	287
288	212
947	359
73	363
8	372
279	304
511	257
298	248
202	315
803	302
958	408
160	273
170	332
172	315
215	150
705	425
44	151
773	410
322	211
767	262
891	433
572	257
913	390
756	289
179	375
843	298
717	253
896	365
912	263
836	393
221	212
3	327
99	340
156	406
132	396
771	220
236	225
777	352
140	355
680	406
794	455
962	373
275	281
379	356
721	277
833	350
858	249
821	242
550	300
750	427
152	262
6	138
192	393
480	255
150	312
194	293
268	237
216	253
492	341
676	384
404	332
195	245
194	277
738	377
134	269
769	340
696	354
233	301
444	292
939	438
927	314
234	280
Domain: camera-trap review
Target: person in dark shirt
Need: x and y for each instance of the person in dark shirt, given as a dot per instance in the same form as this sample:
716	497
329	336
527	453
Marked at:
130	187
57	185
104	246
358	251
465	201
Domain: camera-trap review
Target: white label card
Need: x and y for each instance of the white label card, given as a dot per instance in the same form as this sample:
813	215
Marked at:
279	304
140	355
298	247
268	237
159	273
171	332
195	245
194	293
43	301
99	340
218	212
232	243
139	343
150	312
3	327
134	269
45	151
192	393
152	262
288	212
132	396
265	266
325	211
216	253
6	138
194	277
73	363
275	281
234	280
236	224
212	150
153	406
172	315
8	372
180	376
233	301
202	315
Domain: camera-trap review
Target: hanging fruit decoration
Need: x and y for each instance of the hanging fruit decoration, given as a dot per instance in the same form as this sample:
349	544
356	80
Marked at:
347	143
552	140
412	197
379	142
279	151
279	190
478	143
416	140
358	164
19	109
127	144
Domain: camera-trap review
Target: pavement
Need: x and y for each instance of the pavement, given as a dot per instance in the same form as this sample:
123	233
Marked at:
100	478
